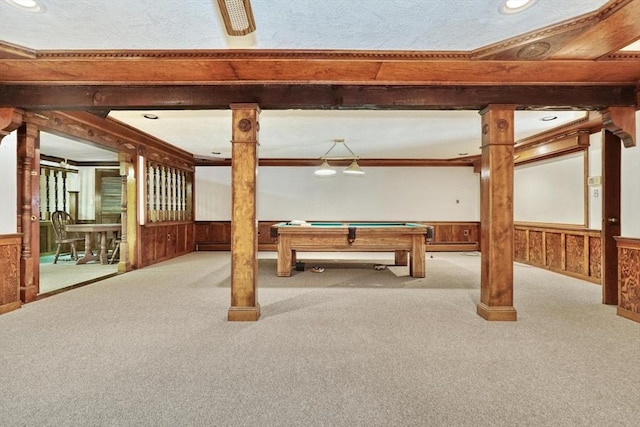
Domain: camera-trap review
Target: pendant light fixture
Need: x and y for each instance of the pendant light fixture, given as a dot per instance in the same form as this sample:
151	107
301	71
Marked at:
325	169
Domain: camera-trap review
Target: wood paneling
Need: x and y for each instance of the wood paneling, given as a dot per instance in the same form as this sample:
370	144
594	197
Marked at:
554	251
448	236
520	247
575	250
536	246
595	257
572	251
47	238
160	242
10	277
629	278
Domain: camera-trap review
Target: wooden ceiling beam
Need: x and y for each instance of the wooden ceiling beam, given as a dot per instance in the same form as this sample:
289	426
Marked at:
101	98
354	68
618	26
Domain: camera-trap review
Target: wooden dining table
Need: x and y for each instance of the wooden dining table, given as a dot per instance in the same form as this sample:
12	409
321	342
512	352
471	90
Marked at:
88	230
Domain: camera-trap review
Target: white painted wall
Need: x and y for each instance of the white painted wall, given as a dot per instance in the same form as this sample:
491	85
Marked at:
595	191
630	203
8	188
384	193
550	191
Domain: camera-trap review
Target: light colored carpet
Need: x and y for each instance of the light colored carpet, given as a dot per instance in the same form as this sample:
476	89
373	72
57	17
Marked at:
153	348
66	273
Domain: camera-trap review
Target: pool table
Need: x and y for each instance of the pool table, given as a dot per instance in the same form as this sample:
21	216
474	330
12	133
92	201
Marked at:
401	238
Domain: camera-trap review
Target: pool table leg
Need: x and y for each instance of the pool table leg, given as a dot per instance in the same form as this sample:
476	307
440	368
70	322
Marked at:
401	257
285	257
417	267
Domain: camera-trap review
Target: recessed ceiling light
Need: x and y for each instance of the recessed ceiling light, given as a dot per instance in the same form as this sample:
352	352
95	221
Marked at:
548	118
515	6
28	5
150	116
462	154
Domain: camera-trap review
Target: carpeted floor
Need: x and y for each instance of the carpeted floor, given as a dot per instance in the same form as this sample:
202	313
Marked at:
66	273
346	347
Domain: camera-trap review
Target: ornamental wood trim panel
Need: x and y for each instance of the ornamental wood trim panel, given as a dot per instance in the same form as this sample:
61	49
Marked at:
536	247
595	252
628	278
520	247
568	250
10	245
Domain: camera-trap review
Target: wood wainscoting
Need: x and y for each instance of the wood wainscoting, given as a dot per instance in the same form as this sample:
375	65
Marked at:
572	251
448	236
165	240
628	278
10	245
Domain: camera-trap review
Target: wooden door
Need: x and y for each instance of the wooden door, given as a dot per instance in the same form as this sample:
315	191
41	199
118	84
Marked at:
108	196
611	157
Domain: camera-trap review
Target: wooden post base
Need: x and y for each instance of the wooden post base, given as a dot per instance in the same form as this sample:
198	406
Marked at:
627	314
5	308
244	314
500	313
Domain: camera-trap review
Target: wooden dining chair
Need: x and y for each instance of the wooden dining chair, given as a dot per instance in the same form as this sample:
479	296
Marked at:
59	220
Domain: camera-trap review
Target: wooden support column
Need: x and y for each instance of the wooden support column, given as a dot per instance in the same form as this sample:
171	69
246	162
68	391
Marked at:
619	126
244	226
128	185
496	214
29	199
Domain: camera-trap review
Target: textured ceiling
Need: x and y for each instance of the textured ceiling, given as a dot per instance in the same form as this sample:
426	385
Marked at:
281	24
423	25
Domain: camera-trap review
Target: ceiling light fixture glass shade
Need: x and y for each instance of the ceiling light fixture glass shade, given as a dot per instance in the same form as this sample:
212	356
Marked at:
237	16
28	5
515	6
325	170
354	169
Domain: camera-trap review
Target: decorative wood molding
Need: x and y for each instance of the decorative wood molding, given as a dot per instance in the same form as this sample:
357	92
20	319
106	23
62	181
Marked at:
109	134
617	25
11	51
592	122
10	120
564	144
456	162
538	44
231	54
548	42
621	121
